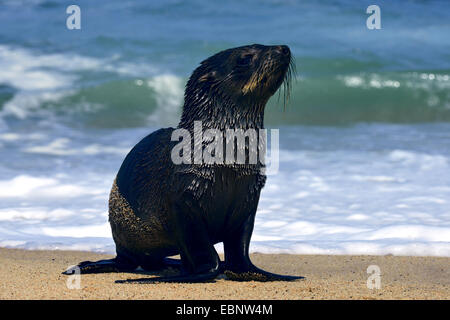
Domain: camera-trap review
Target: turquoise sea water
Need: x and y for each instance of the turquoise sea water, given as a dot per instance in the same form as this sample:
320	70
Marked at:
365	138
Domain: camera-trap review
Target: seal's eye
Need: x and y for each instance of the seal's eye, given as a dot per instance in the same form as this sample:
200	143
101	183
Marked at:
244	60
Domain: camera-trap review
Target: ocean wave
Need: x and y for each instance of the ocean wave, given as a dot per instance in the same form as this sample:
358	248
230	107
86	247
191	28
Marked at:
26	70
392	97
157	100
43	85
59	85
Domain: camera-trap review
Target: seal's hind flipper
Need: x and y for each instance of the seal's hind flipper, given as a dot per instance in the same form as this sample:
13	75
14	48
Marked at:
199	259
102	266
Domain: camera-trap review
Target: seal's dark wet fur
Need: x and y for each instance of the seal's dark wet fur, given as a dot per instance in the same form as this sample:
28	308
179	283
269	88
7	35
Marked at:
158	209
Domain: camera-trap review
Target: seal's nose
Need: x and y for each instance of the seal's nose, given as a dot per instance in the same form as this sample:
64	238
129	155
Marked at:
283	50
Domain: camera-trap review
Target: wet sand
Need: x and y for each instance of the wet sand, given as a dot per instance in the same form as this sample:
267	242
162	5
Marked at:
27	274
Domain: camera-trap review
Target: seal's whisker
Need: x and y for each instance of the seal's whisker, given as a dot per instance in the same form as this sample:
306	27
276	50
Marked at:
291	74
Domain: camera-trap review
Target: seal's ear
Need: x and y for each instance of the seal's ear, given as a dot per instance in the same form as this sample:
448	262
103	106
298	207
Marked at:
208	77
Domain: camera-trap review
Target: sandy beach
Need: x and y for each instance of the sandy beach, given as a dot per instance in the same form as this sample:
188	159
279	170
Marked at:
29	274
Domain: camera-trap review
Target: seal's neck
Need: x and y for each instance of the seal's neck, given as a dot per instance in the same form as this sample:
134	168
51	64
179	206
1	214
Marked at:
218	112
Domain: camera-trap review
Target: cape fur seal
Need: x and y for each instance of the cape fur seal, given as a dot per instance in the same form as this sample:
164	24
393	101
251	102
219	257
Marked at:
159	209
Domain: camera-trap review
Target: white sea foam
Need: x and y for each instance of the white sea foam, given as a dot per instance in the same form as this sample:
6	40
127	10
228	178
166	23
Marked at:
43	78
25	102
29	187
102	231
10	136
354	248
423	161
169	95
97	244
393	201
27	70
60	147
425	81
35	214
24	70
370	81
340	213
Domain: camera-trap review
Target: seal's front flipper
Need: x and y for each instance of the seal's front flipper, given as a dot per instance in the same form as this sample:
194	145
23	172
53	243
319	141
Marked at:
238	266
102	266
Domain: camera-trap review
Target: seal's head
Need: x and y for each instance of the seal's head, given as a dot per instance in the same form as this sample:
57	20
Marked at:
245	77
